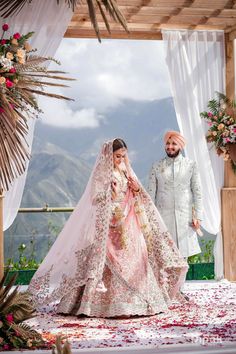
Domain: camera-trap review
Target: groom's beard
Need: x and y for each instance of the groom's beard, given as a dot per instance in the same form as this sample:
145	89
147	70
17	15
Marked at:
172	154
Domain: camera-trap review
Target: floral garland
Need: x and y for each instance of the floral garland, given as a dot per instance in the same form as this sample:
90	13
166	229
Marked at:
22	77
221	119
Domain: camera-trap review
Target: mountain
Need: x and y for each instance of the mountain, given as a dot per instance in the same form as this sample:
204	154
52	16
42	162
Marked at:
141	124
55	178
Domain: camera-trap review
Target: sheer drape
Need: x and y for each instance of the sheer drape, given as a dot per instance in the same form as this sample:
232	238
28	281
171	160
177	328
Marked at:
196	64
49	22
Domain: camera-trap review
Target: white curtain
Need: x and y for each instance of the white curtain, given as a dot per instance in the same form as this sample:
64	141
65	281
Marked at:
49	21
196	64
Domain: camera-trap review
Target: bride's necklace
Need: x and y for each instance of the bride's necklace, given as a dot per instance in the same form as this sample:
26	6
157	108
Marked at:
120	177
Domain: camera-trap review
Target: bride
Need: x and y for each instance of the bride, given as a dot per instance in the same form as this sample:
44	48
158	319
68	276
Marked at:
114	256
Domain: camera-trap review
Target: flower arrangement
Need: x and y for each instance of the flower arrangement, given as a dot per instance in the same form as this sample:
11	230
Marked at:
16	307
22	77
221	119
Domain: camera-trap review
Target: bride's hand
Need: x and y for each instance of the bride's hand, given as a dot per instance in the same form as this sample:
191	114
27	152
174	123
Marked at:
133	184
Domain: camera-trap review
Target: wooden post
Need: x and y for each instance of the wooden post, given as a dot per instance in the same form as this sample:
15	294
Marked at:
228	193
1	237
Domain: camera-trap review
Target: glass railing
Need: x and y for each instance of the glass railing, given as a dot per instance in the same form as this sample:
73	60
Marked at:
26	250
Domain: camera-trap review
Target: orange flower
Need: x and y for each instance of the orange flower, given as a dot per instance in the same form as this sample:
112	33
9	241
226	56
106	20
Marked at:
2	80
27	47
21	60
9	55
20	53
14	41
220	126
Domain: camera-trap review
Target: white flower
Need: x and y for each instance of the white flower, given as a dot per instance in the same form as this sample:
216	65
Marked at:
6	63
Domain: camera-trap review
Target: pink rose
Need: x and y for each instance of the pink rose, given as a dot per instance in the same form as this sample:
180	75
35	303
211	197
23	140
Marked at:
6	347
16	35
12	70
3	41
9	83
1	110
234	130
210	123
5	27
227	140
210	114
10	317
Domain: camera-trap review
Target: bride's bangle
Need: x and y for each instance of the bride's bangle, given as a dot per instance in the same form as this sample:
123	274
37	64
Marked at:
136	191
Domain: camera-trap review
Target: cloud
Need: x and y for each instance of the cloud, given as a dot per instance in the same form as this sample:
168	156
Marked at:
60	114
106	74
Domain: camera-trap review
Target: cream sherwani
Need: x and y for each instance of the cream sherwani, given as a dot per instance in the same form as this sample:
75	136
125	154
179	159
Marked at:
175	188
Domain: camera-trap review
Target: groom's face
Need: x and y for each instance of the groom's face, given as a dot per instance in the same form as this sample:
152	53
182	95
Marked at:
172	148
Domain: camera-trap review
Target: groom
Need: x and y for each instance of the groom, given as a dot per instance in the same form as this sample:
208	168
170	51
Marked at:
174	186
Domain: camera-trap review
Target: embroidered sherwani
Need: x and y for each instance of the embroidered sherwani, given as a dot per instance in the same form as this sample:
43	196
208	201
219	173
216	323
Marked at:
175	188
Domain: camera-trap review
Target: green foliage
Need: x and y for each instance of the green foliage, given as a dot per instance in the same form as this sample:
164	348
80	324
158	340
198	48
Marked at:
53	228
206	256
23	263
213	106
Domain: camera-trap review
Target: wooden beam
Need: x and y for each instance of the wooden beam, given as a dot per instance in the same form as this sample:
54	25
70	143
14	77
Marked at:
228	193
173	19
160	11
232	35
73	31
228	198
209	4
230	71
115	34
145	16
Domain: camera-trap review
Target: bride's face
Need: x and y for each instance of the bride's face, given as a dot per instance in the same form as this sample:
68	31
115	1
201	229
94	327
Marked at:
119	156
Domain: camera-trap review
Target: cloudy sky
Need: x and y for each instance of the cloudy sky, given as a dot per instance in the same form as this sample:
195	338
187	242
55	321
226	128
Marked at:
106	74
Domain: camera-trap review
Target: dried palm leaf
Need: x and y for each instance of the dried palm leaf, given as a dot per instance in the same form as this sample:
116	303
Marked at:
26	332
17	106
50	76
11	7
53	95
16	307
12	301
21	306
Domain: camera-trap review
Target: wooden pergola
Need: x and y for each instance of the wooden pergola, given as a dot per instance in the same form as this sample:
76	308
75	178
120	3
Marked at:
145	19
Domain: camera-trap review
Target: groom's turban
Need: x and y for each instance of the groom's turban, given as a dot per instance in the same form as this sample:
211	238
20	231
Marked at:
176	137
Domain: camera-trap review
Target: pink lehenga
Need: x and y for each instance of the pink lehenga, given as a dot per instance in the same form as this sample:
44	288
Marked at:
114	256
